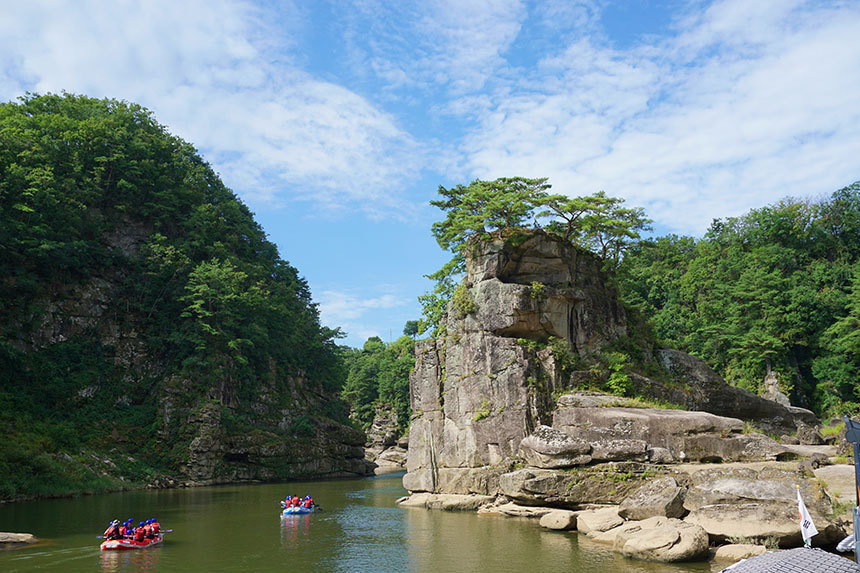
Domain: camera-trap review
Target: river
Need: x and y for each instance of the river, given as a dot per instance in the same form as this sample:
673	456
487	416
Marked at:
239	528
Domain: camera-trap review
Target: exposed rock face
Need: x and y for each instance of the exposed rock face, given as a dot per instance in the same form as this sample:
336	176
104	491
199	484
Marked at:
660	497
482	399
709	392
651	432
384	448
332	450
473	395
742	502
544	288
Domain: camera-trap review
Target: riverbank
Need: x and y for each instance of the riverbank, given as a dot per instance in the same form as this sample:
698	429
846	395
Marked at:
751	508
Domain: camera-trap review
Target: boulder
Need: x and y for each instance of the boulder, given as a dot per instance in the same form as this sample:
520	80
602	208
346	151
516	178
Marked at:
598	520
809	435
548	448
617	536
742	502
660	497
673	540
8	540
559	519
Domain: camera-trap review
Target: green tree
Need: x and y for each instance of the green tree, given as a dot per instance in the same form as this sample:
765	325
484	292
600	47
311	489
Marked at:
571	212
485	206
379	375
769	291
411	329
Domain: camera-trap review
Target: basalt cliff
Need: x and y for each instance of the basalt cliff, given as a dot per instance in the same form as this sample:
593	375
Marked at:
510	403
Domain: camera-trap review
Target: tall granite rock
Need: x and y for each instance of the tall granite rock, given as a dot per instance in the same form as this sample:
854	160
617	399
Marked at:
484	386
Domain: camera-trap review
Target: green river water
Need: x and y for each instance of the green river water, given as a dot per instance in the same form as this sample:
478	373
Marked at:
239	528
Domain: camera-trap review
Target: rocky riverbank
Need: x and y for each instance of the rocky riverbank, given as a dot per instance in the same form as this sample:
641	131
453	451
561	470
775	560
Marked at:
723	513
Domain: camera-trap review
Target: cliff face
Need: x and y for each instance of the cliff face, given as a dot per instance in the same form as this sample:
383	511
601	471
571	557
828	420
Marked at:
284	434
475	392
485	386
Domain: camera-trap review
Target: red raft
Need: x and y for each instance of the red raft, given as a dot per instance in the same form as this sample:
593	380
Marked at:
122	544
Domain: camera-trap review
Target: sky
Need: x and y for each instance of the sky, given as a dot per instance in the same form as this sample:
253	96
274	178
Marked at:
336	122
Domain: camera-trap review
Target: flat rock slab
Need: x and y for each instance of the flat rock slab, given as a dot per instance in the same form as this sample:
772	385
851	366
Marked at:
738	551
8	540
840	481
447	502
515	510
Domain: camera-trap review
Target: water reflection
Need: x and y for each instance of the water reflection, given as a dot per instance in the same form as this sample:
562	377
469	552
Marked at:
133	560
295	529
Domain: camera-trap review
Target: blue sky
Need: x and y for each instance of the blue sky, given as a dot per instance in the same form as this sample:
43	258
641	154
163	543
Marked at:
337	121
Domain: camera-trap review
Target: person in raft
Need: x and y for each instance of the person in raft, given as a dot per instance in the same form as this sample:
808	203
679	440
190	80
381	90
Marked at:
139	532
112	531
308	502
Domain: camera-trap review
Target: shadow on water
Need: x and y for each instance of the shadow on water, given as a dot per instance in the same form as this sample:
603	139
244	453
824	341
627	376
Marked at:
241	528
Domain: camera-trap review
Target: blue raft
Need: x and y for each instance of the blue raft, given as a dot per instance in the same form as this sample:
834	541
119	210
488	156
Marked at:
298	510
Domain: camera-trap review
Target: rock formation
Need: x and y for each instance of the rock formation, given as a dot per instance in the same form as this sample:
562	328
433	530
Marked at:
385	449
504	407
482	392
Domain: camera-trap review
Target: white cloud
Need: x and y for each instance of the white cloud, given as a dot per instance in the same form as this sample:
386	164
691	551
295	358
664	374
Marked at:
744	107
743	103
216	74
340	307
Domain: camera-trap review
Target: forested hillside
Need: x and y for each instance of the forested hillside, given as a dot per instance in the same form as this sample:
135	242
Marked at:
378	375
777	289
147	326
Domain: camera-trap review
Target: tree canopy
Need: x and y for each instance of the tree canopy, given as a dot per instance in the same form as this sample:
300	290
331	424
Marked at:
772	291
96	196
378	374
596	222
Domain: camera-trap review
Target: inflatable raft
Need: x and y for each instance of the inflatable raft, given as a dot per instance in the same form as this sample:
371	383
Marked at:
122	544
298	510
